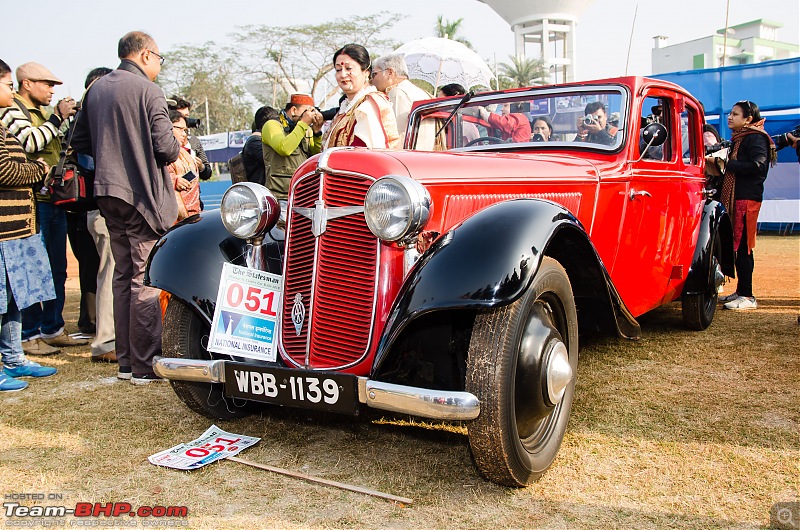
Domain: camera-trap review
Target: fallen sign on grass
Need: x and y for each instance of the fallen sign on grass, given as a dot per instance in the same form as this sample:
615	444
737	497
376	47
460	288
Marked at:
216	444
211	446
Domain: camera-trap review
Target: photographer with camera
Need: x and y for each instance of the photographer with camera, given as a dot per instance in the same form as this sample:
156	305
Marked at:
513	125
39	133
751	154
193	142
789	139
593	127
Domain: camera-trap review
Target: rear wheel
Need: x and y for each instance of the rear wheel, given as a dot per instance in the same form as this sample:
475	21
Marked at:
699	309
522	364
185	336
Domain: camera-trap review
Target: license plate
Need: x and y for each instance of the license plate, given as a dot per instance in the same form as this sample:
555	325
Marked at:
306	389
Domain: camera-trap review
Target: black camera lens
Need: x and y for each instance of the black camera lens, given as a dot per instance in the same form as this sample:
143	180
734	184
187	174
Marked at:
192	123
588	120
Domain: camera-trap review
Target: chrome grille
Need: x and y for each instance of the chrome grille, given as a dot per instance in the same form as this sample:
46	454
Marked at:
335	274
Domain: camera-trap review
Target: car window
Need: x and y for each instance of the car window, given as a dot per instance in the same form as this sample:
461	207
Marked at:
535	118
655	110
690	136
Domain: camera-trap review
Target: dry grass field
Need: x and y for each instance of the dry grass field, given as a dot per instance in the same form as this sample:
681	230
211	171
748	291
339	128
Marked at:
678	430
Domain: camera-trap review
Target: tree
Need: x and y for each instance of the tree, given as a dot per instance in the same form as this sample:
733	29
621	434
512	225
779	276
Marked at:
205	72
448	29
523	72
298	58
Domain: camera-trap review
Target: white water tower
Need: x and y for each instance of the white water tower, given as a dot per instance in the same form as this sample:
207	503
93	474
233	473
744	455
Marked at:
549	26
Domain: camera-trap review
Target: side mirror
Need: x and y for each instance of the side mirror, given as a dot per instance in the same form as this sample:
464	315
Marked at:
653	135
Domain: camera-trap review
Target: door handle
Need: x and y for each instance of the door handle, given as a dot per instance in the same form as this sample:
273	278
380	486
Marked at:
633	194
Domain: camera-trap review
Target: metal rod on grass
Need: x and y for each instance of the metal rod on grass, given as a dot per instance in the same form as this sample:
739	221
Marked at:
309	478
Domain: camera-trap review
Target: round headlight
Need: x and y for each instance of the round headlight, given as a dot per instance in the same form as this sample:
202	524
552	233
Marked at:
396	207
248	210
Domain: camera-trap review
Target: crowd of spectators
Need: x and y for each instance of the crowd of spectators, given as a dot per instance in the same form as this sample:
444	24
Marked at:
147	165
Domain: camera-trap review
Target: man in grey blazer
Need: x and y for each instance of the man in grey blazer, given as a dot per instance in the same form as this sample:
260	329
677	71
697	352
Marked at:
124	124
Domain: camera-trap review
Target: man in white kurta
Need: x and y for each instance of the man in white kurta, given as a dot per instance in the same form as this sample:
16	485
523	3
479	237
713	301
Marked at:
390	75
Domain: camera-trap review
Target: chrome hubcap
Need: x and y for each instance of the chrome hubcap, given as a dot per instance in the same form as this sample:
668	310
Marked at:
559	372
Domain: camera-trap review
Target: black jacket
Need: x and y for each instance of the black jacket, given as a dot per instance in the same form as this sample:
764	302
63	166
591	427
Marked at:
750	167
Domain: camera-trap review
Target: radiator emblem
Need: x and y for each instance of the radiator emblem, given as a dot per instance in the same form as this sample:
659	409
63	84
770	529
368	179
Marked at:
319	215
298	313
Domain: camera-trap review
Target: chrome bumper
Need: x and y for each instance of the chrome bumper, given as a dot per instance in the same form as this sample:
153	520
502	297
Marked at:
422	402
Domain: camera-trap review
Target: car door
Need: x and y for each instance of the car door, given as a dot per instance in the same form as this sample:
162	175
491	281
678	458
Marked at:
653	218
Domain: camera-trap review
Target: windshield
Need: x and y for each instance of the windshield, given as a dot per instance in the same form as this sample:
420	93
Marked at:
537	118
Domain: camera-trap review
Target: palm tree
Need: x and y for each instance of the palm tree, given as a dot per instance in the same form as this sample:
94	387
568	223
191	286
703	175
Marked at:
448	29
524	72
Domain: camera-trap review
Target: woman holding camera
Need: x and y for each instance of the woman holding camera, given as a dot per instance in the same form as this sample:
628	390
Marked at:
751	153
184	170
543	127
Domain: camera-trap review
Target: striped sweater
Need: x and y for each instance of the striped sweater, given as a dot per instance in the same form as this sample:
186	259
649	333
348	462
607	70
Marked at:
36	132
17	175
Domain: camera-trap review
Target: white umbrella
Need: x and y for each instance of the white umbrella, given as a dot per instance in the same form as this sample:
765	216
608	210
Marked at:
444	61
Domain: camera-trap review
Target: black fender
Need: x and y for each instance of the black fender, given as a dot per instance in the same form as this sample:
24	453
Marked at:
187	260
490	259
715	223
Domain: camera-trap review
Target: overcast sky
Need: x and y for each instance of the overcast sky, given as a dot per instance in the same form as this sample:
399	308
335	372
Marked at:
72	37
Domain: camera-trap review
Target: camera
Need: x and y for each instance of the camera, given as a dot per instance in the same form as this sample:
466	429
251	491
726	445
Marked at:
193	123
716	147
782	141
537	137
589	119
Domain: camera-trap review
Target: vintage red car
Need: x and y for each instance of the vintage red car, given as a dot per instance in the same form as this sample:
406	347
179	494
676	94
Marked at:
451	280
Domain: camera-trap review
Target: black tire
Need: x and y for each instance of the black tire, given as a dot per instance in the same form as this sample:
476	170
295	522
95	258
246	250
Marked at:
699	309
520	429
184	337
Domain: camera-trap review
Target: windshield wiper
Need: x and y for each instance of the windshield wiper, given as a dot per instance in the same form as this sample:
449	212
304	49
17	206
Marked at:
466	97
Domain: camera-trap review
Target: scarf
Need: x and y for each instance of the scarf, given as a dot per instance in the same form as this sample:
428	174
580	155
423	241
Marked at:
729	179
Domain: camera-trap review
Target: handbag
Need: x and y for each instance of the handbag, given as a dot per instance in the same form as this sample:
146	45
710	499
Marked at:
70	185
72	188
236	167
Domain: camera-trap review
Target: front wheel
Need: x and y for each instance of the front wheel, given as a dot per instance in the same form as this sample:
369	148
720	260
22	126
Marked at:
185	336
521	366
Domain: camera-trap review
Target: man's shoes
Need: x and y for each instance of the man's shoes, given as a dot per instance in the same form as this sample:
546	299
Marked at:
145	379
728	298
742	302
108	357
29	369
38	347
64	340
9	384
124	373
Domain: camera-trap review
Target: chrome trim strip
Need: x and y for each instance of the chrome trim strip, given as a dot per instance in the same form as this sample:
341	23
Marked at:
202	371
421	402
322	162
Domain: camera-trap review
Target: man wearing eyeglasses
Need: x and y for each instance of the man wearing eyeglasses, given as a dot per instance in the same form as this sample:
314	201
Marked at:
390	75
125	126
40	134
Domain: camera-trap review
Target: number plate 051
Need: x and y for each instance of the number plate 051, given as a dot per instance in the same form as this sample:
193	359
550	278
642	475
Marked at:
294	388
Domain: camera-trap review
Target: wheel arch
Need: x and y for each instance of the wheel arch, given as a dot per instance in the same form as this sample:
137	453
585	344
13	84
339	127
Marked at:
187	261
715	223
